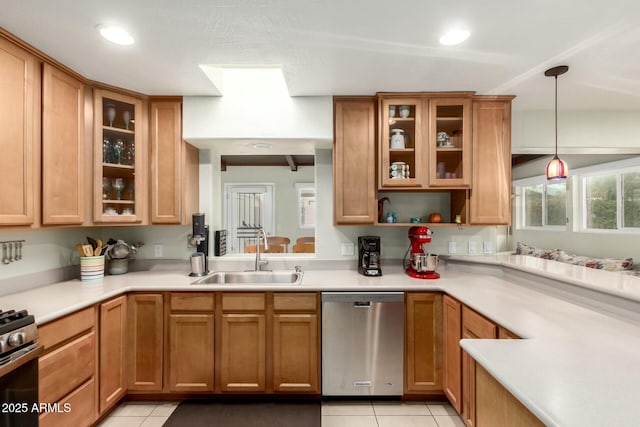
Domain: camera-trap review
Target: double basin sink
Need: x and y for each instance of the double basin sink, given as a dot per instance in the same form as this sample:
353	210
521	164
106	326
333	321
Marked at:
291	277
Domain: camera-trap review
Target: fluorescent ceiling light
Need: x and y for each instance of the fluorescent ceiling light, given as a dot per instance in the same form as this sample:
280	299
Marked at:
455	36
116	35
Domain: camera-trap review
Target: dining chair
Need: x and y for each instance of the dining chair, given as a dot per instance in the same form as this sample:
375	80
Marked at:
304	248
273	249
280	241
308	239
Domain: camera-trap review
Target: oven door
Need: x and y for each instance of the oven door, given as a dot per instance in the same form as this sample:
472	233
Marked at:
19	390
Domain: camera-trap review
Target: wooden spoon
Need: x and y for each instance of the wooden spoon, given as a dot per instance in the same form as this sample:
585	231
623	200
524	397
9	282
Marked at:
80	249
88	250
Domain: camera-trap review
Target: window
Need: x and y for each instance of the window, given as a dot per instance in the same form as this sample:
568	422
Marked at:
544	205
611	200
306	205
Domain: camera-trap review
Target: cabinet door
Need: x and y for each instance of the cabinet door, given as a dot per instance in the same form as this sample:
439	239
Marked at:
295	353
423	343
62	148
473	326
20	136
166	161
242	353
191	352
113	336
491	193
145	355
450	142
452	381
354	161
120	158
401	143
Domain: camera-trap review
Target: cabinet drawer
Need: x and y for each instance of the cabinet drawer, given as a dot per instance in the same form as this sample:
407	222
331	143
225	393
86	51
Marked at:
477	326
243	301
192	301
58	331
66	368
295	302
81	404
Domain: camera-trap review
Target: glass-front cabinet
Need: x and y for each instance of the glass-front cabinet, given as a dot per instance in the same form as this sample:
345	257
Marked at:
450	142
400	143
118	153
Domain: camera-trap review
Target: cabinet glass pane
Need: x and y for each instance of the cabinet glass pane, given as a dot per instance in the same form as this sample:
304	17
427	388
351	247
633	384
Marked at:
449	150
402	140
118	157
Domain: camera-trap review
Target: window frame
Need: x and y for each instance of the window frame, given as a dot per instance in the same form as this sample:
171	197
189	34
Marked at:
521	210
616	169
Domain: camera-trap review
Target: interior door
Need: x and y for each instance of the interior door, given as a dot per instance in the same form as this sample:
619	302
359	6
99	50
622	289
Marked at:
248	207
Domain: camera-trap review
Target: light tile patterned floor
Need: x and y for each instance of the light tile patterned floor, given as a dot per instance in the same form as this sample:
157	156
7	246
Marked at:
334	414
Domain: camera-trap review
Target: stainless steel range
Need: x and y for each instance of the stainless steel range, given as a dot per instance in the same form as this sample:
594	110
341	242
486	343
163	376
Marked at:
19	353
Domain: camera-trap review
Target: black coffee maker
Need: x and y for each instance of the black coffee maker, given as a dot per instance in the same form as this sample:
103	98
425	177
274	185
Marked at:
369	256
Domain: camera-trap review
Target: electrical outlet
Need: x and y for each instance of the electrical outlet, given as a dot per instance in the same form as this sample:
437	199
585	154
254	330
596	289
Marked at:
157	250
472	247
452	247
487	247
347	249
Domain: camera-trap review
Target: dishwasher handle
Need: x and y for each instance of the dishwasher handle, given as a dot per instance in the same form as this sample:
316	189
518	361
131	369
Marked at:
362	304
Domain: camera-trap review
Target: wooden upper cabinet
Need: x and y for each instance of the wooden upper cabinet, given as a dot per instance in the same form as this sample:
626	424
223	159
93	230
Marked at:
354	159
20	87
166	161
449	142
120	153
401	145
491	193
63	147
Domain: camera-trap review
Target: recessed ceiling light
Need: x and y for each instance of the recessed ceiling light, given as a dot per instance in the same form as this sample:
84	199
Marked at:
453	37
116	35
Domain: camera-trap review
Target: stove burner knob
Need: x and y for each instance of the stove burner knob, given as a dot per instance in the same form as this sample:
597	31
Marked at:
16	340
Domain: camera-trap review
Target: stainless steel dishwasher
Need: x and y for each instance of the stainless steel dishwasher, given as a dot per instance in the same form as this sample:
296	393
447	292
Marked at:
362	343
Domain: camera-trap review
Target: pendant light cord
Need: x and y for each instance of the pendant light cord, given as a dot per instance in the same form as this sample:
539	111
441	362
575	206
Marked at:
556	79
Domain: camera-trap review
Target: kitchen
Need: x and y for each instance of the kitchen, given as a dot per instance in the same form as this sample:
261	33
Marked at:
49	252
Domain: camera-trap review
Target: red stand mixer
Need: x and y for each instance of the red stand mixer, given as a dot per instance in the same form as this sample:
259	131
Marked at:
422	265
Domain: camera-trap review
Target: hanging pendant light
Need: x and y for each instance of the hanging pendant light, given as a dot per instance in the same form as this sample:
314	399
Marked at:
556	168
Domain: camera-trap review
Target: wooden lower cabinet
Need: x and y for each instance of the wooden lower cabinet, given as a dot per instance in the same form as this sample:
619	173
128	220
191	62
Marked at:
496	407
67	370
473	326
452	352
191	352
295	353
146	342
423	343
243	352
113	343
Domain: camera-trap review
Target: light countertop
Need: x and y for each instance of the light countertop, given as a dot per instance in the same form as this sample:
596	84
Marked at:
575	367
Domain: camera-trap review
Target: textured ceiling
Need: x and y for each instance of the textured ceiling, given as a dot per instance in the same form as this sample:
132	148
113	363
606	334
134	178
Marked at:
334	47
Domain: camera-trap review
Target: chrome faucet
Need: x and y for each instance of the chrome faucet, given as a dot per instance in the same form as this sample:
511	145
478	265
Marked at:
261	262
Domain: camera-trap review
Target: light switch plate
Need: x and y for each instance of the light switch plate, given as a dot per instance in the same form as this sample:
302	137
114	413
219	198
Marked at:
157	250
452	247
347	249
487	247
472	247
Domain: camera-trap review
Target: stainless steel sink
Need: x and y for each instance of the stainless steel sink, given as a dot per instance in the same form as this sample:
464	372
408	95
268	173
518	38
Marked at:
242	277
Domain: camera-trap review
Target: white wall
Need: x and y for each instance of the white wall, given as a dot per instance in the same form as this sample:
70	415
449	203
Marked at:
257	118
580	132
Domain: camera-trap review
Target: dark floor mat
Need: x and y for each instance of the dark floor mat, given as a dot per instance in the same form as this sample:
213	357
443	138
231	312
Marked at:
198	413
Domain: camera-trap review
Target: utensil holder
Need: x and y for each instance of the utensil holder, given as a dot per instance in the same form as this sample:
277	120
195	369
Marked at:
91	268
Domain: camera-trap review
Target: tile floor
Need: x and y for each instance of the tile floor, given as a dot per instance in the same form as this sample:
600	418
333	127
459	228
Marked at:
334	414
